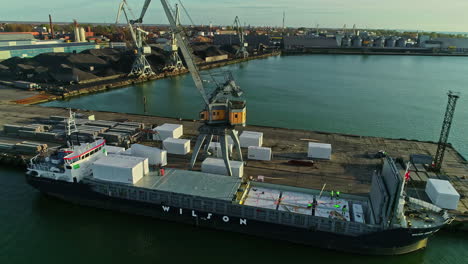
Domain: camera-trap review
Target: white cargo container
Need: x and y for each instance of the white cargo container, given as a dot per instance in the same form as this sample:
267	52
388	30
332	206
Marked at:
251	139
319	151
118	168
141	159
155	156
113	150
177	146
259	153
215	148
442	194
127	152
217	166
168	131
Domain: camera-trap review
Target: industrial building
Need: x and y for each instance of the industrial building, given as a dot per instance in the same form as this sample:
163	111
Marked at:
455	44
304	42
253	40
24	45
7	39
26	51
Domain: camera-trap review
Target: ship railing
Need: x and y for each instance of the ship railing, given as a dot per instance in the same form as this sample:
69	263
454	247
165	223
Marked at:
445	215
226	208
425	204
43	167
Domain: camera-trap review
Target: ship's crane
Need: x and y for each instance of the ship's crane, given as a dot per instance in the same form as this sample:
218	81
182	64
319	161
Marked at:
141	66
221	114
176	62
242	51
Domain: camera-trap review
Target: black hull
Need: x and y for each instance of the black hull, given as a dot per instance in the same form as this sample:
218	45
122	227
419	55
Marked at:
386	242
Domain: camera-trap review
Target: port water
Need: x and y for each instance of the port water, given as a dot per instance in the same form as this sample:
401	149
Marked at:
384	96
35	227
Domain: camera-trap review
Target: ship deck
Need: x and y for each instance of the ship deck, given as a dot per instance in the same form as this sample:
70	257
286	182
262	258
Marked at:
192	183
301	201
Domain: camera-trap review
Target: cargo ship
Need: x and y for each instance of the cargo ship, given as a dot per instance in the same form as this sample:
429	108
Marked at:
385	222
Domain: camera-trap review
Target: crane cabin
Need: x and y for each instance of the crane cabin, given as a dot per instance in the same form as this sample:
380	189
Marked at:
233	113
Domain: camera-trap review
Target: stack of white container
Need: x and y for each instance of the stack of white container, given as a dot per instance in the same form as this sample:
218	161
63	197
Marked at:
177	146
170	134
254	141
319	151
155	156
217	166
120	168
168	131
442	194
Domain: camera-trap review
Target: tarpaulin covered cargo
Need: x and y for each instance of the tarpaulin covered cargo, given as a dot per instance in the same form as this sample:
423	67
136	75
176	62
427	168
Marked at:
155	156
168	131
259	153
142	159
118	168
251	138
217	166
442	194
114	150
177	146
319	151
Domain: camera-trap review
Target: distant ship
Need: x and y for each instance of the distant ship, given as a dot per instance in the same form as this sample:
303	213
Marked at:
387	222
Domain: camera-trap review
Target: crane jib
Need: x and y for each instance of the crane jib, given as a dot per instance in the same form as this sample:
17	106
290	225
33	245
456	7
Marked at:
186	52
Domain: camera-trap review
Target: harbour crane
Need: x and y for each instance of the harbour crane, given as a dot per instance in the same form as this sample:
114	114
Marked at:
176	62
242	51
143	12
223	108
141	66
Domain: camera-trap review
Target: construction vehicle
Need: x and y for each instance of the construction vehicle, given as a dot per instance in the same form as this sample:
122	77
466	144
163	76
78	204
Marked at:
242	51
141	66
221	113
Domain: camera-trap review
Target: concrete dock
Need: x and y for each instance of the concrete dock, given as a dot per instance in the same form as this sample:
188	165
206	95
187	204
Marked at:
349	171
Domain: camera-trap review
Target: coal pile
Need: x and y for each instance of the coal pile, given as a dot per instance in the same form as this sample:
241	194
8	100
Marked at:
203	50
67	68
158	58
231	49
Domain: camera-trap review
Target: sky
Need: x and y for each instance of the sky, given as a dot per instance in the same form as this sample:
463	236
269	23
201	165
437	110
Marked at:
428	15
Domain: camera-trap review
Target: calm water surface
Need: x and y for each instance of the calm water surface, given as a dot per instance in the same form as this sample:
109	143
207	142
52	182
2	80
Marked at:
38	229
388	96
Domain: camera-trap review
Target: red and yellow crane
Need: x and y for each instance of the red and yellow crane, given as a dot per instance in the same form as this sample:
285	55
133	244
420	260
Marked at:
223	109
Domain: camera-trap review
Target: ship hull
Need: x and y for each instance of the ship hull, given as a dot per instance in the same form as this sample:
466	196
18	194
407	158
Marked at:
386	242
